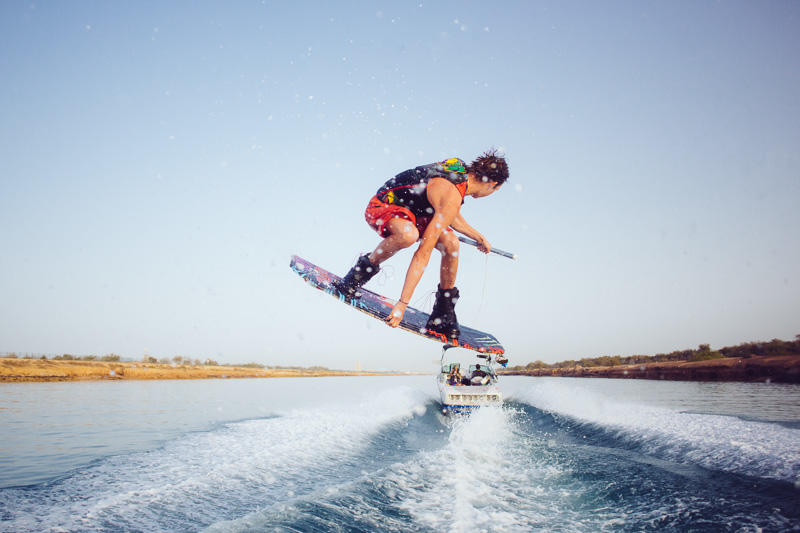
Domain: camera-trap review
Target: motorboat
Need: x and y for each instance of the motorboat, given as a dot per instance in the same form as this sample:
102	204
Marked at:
463	390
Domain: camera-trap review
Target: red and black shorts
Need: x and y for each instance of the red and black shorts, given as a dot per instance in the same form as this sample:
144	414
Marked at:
378	215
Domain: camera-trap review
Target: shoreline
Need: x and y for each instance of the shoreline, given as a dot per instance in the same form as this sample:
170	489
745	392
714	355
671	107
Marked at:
774	369
771	369
46	370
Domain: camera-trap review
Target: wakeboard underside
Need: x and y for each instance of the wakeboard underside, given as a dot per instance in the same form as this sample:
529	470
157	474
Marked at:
379	307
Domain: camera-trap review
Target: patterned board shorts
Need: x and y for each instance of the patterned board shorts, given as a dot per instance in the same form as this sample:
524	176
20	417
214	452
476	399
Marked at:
378	214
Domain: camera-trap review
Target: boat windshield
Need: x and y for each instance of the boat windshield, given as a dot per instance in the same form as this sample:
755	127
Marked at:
446	369
485	368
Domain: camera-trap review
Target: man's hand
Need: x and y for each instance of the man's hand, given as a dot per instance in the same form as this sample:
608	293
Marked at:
396	315
483	244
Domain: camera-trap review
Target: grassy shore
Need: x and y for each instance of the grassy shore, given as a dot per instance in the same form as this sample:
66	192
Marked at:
15	370
777	369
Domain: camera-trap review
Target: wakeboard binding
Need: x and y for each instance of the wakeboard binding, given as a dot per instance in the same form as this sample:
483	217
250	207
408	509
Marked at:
360	274
443	317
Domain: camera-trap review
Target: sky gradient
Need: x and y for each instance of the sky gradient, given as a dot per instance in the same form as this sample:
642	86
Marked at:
160	163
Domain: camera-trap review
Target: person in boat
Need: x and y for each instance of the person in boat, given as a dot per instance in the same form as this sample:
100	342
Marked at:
454	377
478	375
424	204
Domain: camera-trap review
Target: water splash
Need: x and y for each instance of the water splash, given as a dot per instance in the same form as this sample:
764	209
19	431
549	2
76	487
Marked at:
712	441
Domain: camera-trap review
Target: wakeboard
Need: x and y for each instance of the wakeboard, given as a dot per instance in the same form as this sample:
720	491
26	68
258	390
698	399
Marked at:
379	307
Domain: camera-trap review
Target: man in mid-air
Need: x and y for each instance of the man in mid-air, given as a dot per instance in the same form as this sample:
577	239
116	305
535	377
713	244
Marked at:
424	204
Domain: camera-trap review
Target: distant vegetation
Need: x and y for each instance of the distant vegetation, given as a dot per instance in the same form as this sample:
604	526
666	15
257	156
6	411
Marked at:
109	358
702	353
177	360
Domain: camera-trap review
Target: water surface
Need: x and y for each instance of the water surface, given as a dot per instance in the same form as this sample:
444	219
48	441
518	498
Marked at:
366	454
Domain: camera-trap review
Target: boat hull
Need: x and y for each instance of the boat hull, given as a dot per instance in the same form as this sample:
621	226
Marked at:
466	398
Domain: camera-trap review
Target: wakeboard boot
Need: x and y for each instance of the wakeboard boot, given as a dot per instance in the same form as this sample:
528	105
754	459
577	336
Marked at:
362	272
443	317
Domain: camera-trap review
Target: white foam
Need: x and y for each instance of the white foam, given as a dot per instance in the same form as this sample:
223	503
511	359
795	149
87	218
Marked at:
712	441
485	478
488	476
190	480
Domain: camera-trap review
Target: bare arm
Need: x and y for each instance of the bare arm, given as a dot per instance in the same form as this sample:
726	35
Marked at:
446	202
461	226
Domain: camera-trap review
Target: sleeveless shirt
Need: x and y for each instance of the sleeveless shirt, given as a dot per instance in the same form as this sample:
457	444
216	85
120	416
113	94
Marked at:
409	188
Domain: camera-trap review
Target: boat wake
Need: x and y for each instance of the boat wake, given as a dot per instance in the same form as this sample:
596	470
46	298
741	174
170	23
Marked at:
554	458
207	475
715	442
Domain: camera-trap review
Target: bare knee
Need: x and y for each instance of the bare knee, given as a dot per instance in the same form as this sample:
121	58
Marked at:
448	244
404	233
409	235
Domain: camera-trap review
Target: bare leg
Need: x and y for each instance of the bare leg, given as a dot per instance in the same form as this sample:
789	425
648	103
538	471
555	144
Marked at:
448	244
443	316
403	234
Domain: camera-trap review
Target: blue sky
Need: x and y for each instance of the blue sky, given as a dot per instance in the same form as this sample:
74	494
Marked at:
160	163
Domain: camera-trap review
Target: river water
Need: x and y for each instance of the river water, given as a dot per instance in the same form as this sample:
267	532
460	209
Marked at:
375	454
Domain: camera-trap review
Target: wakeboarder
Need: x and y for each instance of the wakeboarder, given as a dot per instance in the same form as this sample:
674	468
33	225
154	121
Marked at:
424	204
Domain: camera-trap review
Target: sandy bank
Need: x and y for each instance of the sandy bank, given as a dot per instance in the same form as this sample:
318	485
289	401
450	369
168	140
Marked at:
777	369
12	370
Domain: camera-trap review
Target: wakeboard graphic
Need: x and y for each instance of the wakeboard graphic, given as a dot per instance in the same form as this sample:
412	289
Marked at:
379	307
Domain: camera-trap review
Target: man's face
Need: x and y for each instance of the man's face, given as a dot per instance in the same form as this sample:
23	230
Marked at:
486	188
